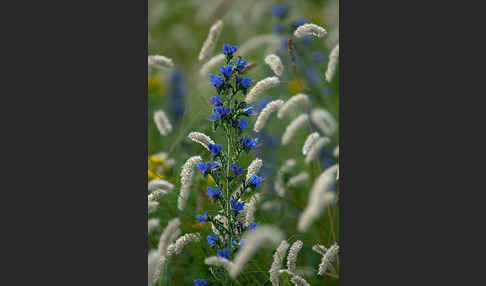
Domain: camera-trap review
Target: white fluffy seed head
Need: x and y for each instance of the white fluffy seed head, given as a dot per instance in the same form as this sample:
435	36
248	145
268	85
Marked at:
263	235
292	257
260	86
156	195
321	249
328	258
201	138
159	61
293	127
162	122
335	153
333	60
266	112
315	148
278	258
299	281
310	29
152	206
214	61
253	168
213	36
219	261
319	198
152	224
153	259
279	182
181	242
250	209
324	120
255	42
311	139
187	173
274	62
166	238
160	185
223	220
295	100
297	179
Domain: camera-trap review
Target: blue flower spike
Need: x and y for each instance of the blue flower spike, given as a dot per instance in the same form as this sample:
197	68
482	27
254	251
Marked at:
236	206
212	240
223	253
216	80
243	82
229	50
215	100
236	169
227	70
255	181
213	192
203	218
248	110
200	282
215	149
252	226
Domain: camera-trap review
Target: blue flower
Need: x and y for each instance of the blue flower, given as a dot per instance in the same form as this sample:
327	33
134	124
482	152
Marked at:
280	11
255	180
248	110
236	169
277	28
213	193
248	142
223	253
226	70
242	124
236	206
212	240
216	80
299	22
215	100
220	111
215	149
215	165
284	43
252	226
318	56
204	166
243	82
262	103
203	218
229	50
240	64
234	242
314	76
200	282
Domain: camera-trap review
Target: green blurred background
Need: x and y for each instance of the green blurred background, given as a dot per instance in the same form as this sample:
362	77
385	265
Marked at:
177	30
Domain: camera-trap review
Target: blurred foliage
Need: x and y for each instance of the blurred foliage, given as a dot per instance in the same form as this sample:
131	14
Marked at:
177	29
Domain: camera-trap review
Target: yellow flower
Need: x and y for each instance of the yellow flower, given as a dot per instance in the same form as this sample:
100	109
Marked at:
296	86
152	175
155	83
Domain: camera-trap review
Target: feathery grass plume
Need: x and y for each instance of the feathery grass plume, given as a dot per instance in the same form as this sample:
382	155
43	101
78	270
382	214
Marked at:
278	258
327	259
213	36
268	205
201	138
279	183
160	62
250	208
315	148
293	127
160	185
292	257
291	102
165	240
260	86
297	179
335	153
319	198
181	242
156	195
187	173
214	61
153	259
255	42
152	206
152	224
261	236
162	122
219	261
324	120
310	29
265	113
299	281
311	139
274	62
331	66
321	249
253	168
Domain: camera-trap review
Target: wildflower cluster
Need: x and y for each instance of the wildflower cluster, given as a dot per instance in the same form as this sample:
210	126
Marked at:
231	115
